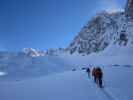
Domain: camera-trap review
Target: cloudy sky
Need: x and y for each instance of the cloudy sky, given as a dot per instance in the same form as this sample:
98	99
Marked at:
43	24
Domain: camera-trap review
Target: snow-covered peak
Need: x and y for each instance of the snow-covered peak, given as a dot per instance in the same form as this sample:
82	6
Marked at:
32	52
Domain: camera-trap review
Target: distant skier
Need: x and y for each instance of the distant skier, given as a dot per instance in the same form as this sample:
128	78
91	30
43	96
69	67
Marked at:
88	72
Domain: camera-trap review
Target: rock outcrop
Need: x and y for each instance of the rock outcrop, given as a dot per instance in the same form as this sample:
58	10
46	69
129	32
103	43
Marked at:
129	9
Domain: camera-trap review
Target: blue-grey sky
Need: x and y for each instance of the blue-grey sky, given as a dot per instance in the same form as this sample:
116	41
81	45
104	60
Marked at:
43	24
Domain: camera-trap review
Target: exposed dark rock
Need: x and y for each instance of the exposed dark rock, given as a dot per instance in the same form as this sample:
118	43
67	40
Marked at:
129	9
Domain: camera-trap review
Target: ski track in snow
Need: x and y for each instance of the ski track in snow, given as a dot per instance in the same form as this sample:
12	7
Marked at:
108	95
103	91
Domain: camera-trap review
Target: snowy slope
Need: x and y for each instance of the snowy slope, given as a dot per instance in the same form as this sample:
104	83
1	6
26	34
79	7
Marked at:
71	85
15	66
117	50
29	67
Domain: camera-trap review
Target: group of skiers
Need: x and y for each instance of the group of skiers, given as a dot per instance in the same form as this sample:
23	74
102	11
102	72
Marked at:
97	75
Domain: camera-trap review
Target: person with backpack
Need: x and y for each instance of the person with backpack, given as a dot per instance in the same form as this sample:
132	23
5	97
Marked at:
98	74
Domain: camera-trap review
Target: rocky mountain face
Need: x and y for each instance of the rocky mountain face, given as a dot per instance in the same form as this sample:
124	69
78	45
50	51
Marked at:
129	9
55	52
94	36
104	29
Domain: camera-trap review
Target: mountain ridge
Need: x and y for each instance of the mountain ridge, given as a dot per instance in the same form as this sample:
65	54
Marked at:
102	30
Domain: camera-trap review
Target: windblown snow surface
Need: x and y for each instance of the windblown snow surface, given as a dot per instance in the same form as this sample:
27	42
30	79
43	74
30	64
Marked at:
64	84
